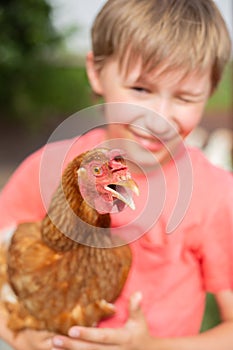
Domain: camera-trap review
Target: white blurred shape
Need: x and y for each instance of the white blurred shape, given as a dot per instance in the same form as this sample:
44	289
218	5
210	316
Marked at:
219	148
198	137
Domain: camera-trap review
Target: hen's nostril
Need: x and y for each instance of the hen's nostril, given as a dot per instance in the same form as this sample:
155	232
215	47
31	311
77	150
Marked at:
112	186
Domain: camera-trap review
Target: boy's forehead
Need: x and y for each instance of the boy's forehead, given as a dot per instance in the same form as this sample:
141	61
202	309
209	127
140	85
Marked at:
137	72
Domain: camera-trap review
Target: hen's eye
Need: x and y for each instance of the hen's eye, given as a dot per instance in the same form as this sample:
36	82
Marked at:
97	171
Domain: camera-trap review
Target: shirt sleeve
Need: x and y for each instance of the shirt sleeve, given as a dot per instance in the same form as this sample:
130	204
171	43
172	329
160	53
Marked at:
20	199
216	247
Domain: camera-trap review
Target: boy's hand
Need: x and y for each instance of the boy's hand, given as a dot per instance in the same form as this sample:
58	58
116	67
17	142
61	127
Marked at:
27	339
33	340
134	335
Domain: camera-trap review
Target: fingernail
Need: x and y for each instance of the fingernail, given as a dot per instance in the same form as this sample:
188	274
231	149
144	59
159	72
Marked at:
57	341
74	332
138	297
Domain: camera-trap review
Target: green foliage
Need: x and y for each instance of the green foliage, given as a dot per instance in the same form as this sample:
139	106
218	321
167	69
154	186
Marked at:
26	36
48	93
25	30
212	316
222	98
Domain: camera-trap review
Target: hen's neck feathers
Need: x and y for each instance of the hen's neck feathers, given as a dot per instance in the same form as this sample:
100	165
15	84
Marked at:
70	216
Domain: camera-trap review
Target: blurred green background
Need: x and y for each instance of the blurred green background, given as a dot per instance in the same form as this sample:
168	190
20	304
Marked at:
38	78
41	84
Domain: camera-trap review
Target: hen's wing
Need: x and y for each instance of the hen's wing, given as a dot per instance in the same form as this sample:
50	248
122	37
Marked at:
56	290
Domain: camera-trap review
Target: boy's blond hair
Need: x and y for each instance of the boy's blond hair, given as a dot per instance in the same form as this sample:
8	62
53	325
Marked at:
170	34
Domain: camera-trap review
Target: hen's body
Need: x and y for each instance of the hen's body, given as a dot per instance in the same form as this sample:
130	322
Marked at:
63	288
58	281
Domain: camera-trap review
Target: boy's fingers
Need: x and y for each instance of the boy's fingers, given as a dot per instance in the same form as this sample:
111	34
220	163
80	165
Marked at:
136	320
108	336
135	304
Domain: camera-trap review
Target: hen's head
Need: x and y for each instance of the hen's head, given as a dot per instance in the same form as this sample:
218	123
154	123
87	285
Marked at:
105	182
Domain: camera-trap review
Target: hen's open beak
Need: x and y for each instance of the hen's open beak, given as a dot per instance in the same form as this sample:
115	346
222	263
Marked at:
122	190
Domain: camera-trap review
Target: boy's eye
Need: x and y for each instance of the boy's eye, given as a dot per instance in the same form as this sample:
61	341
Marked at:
140	89
184	99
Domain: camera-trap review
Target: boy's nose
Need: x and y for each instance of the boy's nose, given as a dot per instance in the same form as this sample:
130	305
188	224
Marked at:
163	106
161	121
161	125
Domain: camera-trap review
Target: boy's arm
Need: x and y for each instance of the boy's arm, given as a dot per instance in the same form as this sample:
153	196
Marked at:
135	336
219	337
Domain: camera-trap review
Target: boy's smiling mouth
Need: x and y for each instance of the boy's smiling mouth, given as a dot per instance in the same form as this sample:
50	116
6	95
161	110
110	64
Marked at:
153	143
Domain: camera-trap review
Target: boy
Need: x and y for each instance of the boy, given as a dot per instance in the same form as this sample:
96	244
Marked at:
165	57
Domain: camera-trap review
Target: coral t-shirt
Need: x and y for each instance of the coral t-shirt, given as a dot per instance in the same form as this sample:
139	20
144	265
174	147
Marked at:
189	198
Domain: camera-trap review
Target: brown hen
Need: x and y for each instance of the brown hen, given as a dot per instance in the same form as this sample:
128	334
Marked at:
68	269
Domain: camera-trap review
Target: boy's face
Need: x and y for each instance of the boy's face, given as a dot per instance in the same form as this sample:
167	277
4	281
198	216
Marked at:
180	103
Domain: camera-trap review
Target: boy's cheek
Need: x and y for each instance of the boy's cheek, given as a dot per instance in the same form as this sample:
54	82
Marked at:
189	118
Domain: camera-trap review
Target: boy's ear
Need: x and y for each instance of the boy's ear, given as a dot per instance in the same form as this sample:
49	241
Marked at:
93	74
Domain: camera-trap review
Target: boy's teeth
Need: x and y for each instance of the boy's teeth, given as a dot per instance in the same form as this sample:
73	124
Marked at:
149	137
141	133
